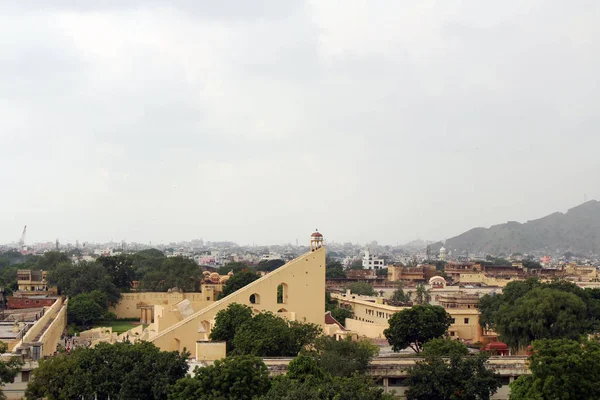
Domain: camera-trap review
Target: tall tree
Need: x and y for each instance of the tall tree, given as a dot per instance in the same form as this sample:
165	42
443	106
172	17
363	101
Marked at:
560	370
242	377
343	357
268	335
120	269
83	309
334	269
459	377
422	295
543	313
417	325
228	321
399	294
238	281
119	371
362	288
269	265
8	368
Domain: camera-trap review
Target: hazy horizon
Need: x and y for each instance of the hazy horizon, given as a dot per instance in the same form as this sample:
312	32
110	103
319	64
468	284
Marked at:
384	120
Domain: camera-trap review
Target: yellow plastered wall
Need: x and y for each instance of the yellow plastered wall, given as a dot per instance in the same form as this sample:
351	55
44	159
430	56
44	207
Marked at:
304	296
369	317
210	351
481	278
54	331
127	307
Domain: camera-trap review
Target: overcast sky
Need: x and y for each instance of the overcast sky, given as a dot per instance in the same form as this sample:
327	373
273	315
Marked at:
259	121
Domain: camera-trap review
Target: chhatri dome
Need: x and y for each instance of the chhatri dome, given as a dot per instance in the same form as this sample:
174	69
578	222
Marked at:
316	240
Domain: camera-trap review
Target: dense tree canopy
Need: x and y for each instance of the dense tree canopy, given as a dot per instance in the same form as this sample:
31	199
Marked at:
73	279
444	347
234	267
269	265
119	371
228	321
242	377
399	295
8	368
238	281
530	310
263	334
422	295
560	370
306	380
87	307
334	269
120	269
417	325
337	312
180	272
457	378
343	357
362	288
268	335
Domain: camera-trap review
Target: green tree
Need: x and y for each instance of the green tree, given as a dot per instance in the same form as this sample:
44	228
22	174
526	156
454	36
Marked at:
8	368
51	259
120	269
334	269
242	377
119	371
269	265
306	380
356	264
530	264
417	325
340	314
234	267
357	387
444	347
362	288
560	370
268	335
399	294
458	378
84	278
238	281
343	357
422	295
228	321
543	313
83	309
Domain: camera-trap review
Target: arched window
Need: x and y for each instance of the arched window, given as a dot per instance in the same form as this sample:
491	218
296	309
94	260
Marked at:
255	298
282	293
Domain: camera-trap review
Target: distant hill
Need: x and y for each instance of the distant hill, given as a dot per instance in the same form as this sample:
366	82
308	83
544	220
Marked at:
577	230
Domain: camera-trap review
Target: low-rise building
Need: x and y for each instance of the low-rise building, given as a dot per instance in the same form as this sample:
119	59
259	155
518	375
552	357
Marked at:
30	280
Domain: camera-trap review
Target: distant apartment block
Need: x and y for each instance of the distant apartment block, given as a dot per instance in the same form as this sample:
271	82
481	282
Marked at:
371	262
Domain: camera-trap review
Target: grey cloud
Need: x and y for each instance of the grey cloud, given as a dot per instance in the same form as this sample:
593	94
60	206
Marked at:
227	119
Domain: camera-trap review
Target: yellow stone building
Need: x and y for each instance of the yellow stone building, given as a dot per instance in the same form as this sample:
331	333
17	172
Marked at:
371	318
178	321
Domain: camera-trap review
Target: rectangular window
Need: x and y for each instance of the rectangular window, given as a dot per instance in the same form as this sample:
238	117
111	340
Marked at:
453	321
24	376
466	320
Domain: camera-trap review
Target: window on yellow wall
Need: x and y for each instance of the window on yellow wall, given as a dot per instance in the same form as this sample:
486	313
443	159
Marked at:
466	320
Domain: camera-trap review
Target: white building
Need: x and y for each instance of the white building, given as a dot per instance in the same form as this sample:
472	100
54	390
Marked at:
371	262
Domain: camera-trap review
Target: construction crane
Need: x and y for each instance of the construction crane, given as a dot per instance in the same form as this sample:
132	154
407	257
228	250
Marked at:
22	241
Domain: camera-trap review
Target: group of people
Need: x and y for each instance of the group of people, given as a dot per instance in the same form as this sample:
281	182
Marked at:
69	343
